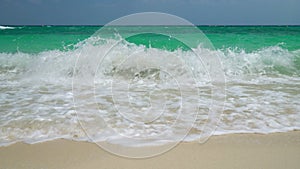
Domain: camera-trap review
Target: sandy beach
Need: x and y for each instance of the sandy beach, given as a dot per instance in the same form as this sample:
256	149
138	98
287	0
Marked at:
150	81
236	151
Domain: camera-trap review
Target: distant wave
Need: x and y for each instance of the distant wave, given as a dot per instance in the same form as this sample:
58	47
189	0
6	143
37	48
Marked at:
6	27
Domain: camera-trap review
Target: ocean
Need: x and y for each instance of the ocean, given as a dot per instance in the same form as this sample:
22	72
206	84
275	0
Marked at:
125	97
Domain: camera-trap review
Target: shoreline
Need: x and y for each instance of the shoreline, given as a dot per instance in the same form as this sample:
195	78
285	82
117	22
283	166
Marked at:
276	151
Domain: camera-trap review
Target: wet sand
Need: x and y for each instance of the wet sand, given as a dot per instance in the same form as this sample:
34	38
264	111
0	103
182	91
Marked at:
235	151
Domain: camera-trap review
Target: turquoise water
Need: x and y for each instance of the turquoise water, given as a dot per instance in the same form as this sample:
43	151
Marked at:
41	78
35	39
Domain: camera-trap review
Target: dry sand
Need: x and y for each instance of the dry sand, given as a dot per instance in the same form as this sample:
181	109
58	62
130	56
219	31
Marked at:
236	151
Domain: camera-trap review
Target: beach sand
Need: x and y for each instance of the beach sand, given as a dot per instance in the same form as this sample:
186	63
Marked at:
235	151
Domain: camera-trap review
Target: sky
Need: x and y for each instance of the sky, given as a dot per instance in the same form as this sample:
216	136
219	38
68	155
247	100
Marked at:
101	12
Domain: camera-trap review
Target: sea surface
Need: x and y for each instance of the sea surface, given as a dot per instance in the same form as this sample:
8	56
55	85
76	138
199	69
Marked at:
46	93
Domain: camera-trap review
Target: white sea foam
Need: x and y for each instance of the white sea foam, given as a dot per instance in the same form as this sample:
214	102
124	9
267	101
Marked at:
37	99
6	27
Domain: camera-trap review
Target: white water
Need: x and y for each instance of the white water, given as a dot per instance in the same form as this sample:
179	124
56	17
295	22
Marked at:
6	27
37	99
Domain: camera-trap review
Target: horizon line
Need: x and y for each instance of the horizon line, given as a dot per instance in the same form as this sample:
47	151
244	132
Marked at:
151	25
